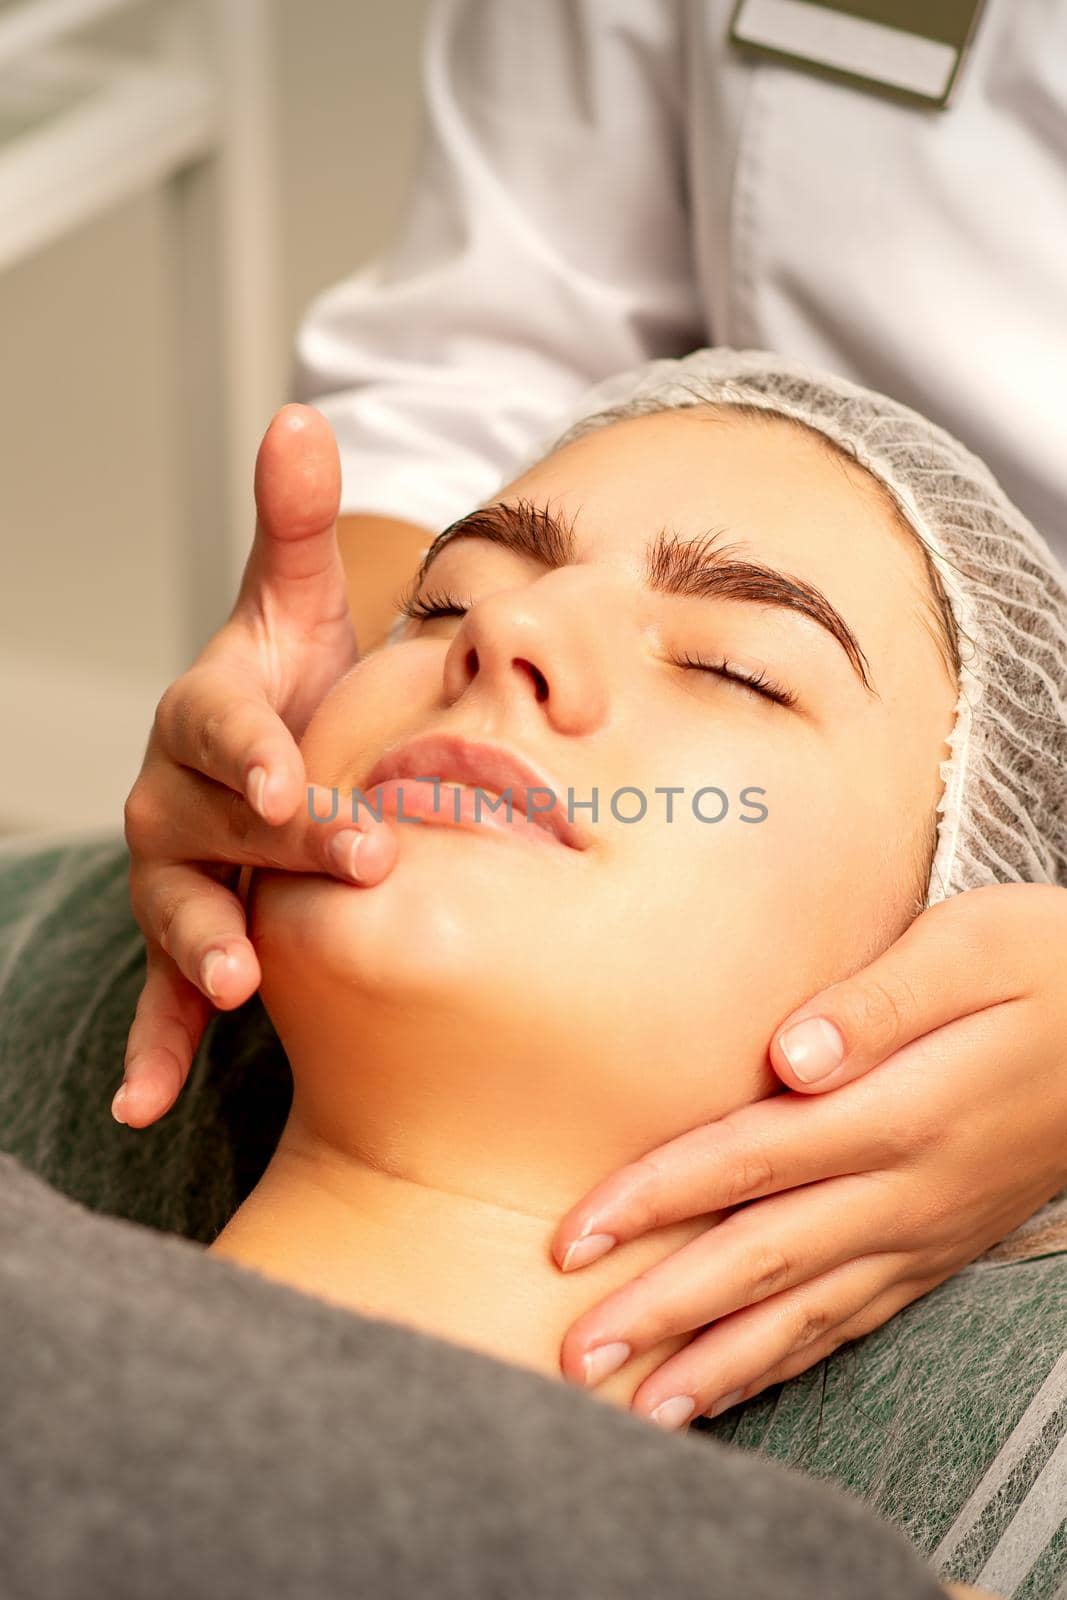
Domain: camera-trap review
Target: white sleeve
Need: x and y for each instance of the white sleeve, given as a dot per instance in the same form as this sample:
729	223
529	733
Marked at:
546	246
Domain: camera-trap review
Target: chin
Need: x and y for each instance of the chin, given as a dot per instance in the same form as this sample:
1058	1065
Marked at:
457	915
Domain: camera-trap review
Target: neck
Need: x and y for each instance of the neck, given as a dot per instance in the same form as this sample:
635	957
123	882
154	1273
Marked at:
470	1267
422	1172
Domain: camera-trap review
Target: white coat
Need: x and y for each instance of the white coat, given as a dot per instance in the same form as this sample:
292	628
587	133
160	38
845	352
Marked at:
604	181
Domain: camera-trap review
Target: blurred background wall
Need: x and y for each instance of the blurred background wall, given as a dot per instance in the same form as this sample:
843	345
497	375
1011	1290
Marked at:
96	518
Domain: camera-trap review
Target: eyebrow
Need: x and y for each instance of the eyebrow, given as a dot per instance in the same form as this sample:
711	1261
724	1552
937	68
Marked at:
694	568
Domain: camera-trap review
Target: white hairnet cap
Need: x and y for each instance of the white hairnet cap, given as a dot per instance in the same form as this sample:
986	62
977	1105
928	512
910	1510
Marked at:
1002	816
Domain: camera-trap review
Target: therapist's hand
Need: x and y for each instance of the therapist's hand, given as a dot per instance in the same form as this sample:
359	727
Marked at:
223	785
942	1126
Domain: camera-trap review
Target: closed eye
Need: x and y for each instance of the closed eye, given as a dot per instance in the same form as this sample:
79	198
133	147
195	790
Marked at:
761	685
423	607
426	607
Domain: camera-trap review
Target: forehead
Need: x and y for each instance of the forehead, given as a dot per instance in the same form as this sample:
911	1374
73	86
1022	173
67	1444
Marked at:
778	493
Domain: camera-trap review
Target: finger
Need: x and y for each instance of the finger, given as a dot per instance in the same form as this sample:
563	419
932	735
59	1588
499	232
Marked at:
774	1144
201	925
728	1361
959	956
803	1357
756	1253
218	722
168	1025
203	821
295	566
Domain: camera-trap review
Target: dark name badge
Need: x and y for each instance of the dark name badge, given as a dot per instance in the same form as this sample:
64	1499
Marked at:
911	49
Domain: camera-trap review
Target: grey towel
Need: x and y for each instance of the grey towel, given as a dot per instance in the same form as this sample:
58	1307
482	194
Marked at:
177	1426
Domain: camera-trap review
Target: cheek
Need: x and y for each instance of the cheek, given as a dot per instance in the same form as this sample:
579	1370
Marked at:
384	698
840	846
758	914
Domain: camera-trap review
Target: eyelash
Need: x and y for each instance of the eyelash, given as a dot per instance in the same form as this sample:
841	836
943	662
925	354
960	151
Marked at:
764	686
425	607
431	605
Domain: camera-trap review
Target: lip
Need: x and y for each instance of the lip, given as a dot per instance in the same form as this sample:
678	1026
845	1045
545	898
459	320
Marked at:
490	767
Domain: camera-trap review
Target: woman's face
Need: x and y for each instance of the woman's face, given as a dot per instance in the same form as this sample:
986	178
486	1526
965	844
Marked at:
650	967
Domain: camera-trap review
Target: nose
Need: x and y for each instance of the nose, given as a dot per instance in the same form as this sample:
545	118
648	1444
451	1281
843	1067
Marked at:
548	642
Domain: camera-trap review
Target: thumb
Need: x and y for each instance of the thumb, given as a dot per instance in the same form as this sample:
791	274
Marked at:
295	566
942	967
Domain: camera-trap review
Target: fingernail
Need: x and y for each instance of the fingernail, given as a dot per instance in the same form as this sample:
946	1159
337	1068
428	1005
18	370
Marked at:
602	1362
344	851
208	968
583	1251
118	1102
813	1048
725	1403
673	1412
255	785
